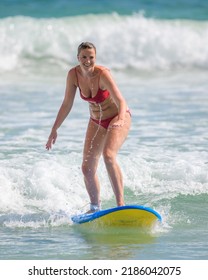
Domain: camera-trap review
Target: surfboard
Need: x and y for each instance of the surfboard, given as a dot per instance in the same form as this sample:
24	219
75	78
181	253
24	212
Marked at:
128	215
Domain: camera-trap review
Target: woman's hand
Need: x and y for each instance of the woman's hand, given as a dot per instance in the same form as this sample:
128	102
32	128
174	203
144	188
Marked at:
51	139
118	123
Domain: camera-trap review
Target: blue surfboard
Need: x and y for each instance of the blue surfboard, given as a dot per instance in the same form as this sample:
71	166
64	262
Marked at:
128	215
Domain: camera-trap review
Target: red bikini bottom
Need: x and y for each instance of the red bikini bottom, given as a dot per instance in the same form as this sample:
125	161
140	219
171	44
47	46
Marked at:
105	123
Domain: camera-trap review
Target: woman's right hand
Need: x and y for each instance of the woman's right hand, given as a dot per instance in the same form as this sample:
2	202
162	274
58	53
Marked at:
51	139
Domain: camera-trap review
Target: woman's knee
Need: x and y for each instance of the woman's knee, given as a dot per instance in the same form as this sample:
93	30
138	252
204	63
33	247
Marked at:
88	169
109	156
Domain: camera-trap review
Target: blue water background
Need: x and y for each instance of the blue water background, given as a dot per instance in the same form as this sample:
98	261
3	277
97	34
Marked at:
157	52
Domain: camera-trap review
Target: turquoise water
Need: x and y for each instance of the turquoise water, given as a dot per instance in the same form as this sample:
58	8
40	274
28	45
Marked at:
186	9
158	54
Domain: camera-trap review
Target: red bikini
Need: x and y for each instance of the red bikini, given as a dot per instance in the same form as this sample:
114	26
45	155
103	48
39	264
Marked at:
101	96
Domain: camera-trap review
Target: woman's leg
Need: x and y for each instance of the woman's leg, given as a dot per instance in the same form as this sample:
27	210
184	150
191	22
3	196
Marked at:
94	141
115	137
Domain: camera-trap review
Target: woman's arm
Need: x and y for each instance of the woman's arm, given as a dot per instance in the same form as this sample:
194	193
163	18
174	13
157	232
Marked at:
64	109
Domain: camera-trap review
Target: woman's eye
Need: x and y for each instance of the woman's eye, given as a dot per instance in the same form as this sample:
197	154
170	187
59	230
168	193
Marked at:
85	57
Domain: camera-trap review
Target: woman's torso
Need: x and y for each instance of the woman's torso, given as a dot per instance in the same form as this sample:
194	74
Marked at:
101	104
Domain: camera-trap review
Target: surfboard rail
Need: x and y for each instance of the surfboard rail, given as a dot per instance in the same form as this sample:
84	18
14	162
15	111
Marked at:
121	216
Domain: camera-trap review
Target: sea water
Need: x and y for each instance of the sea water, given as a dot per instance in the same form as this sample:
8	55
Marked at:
158	55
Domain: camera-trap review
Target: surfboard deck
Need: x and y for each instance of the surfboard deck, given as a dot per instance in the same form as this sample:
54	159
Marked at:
128	215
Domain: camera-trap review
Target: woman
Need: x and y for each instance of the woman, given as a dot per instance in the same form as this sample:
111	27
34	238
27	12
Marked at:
108	126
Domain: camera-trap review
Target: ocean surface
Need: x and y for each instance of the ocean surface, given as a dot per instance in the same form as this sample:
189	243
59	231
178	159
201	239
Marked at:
157	52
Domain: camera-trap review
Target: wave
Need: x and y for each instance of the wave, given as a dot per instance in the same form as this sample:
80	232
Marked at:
123	42
32	185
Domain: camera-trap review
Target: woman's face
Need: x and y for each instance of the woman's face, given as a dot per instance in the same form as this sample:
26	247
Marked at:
87	58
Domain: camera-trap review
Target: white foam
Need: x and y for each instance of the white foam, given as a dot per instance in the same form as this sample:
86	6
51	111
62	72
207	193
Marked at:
53	185
166	175
122	41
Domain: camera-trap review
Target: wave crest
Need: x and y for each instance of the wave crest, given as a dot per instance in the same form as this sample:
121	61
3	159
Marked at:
122	42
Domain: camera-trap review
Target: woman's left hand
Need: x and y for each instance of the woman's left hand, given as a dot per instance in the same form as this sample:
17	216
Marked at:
118	123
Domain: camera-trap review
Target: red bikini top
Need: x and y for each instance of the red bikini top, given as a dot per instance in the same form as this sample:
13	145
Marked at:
101	95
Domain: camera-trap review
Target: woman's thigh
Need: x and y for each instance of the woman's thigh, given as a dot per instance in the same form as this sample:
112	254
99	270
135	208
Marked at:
94	142
116	136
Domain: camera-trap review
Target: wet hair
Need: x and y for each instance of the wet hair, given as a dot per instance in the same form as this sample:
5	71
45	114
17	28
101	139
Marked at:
86	45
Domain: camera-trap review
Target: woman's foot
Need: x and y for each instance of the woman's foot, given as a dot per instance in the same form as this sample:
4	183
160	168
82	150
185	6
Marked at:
93	208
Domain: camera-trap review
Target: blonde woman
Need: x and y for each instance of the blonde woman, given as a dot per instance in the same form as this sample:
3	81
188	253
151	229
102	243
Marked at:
108	126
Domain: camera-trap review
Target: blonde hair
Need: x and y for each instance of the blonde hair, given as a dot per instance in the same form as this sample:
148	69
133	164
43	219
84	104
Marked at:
86	45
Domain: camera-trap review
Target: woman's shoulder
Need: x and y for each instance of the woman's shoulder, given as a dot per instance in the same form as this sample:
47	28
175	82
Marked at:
73	69
72	75
72	72
103	72
101	68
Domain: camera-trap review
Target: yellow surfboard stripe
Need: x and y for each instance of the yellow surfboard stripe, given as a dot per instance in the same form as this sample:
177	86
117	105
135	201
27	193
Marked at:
127	217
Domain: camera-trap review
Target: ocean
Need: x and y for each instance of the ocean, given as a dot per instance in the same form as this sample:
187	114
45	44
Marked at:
157	52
